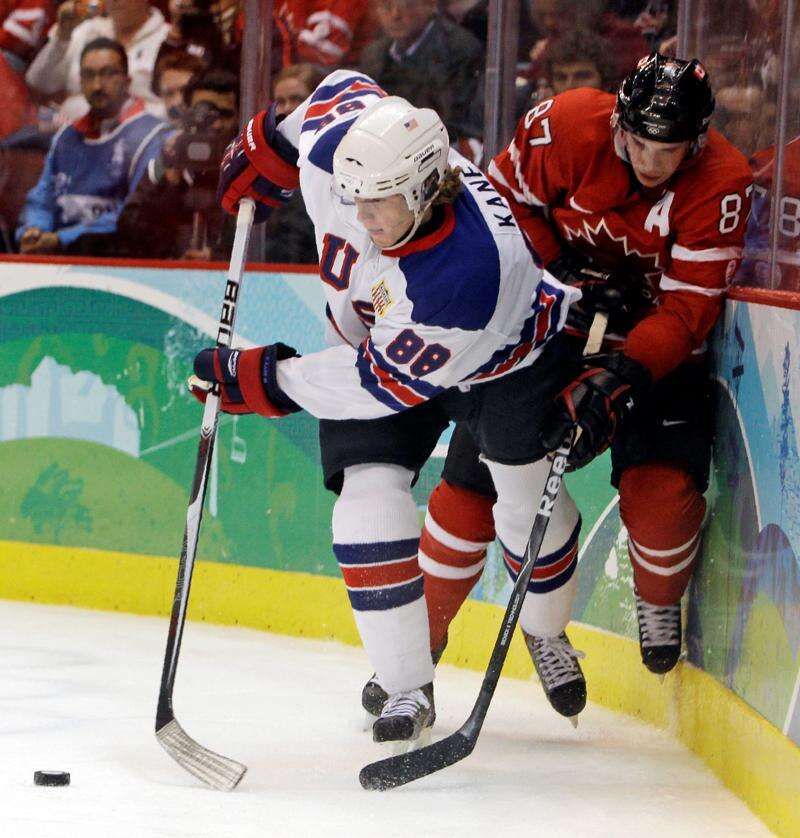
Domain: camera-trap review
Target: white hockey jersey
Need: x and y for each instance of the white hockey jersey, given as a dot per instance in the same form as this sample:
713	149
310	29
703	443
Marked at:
459	306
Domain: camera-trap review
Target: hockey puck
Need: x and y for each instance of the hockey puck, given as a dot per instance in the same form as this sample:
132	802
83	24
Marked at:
51	778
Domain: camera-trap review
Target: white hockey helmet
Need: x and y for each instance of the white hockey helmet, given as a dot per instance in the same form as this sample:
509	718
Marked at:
393	148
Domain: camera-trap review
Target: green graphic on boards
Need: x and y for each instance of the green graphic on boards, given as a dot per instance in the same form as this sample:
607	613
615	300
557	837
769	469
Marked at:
115	415
98	440
54	502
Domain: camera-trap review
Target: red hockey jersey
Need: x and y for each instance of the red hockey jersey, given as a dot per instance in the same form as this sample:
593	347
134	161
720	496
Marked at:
567	182
24	25
326	32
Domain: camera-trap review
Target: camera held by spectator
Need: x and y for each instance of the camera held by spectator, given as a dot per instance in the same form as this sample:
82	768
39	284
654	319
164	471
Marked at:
198	147
178	193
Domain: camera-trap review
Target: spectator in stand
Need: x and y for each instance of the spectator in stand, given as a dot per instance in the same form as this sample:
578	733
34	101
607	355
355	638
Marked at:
93	163
330	33
293	85
289	233
657	21
553	19
171	76
24	25
429	60
193	29
578	58
173	213
135	24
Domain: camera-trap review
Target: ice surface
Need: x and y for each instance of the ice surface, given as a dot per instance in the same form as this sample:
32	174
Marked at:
78	693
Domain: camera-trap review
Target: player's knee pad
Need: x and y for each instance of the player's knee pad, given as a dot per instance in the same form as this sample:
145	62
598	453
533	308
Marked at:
552	588
663	512
376	537
375	504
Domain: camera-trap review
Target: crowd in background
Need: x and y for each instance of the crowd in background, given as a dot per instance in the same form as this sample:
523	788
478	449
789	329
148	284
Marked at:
88	150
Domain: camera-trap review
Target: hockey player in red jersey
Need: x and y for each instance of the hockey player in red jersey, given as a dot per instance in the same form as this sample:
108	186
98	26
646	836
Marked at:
436	311
634	199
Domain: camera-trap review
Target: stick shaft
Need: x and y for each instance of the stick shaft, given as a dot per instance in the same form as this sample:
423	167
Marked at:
194	513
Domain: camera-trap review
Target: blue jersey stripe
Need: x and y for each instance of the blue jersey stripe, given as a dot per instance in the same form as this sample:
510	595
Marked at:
370	382
324	148
550	558
328	91
424	389
379	551
383	599
548	585
455	285
528	329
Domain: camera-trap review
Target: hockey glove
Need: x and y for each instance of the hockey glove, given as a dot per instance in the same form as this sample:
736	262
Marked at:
597	401
247	379
259	164
607	291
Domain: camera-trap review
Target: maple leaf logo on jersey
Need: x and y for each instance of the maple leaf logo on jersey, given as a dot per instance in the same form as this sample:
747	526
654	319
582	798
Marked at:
599	236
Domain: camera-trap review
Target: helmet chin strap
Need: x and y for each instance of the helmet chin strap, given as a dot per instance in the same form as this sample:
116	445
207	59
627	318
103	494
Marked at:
418	216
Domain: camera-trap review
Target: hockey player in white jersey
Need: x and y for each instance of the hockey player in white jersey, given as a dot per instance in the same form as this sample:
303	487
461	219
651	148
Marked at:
437	312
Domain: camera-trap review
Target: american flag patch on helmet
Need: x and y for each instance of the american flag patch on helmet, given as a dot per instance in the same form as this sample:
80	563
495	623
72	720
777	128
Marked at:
411	124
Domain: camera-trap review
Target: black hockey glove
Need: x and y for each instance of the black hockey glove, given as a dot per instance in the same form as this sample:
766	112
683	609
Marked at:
598	401
607	291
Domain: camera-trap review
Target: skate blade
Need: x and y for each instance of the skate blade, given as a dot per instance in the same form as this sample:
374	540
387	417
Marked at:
661	677
406	746
573	720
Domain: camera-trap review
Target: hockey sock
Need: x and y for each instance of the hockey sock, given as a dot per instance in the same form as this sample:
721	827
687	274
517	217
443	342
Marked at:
375	540
551	591
663	512
452	552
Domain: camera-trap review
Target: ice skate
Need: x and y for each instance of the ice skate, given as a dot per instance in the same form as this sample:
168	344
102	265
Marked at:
406	719
558	669
373	695
659	635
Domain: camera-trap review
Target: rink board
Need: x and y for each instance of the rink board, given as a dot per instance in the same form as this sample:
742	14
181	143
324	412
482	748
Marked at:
97	445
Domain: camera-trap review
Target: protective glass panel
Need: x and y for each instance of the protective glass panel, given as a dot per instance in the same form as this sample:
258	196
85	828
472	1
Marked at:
788	207
587	43
740	45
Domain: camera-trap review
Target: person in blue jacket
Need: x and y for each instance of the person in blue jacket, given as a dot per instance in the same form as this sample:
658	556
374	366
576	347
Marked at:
93	163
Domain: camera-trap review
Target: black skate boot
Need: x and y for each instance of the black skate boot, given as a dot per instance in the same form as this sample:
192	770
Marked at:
659	634
405	716
558	669
373	695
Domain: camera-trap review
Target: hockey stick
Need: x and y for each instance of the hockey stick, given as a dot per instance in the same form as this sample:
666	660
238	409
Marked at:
404	768
212	768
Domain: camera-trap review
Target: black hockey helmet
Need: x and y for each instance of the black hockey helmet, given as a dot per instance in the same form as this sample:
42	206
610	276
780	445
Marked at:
666	99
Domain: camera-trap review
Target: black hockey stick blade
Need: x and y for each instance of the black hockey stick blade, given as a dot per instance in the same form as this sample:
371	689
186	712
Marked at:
404	768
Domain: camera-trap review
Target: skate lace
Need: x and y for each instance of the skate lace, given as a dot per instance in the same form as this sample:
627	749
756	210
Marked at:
405	704
658	625
557	660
